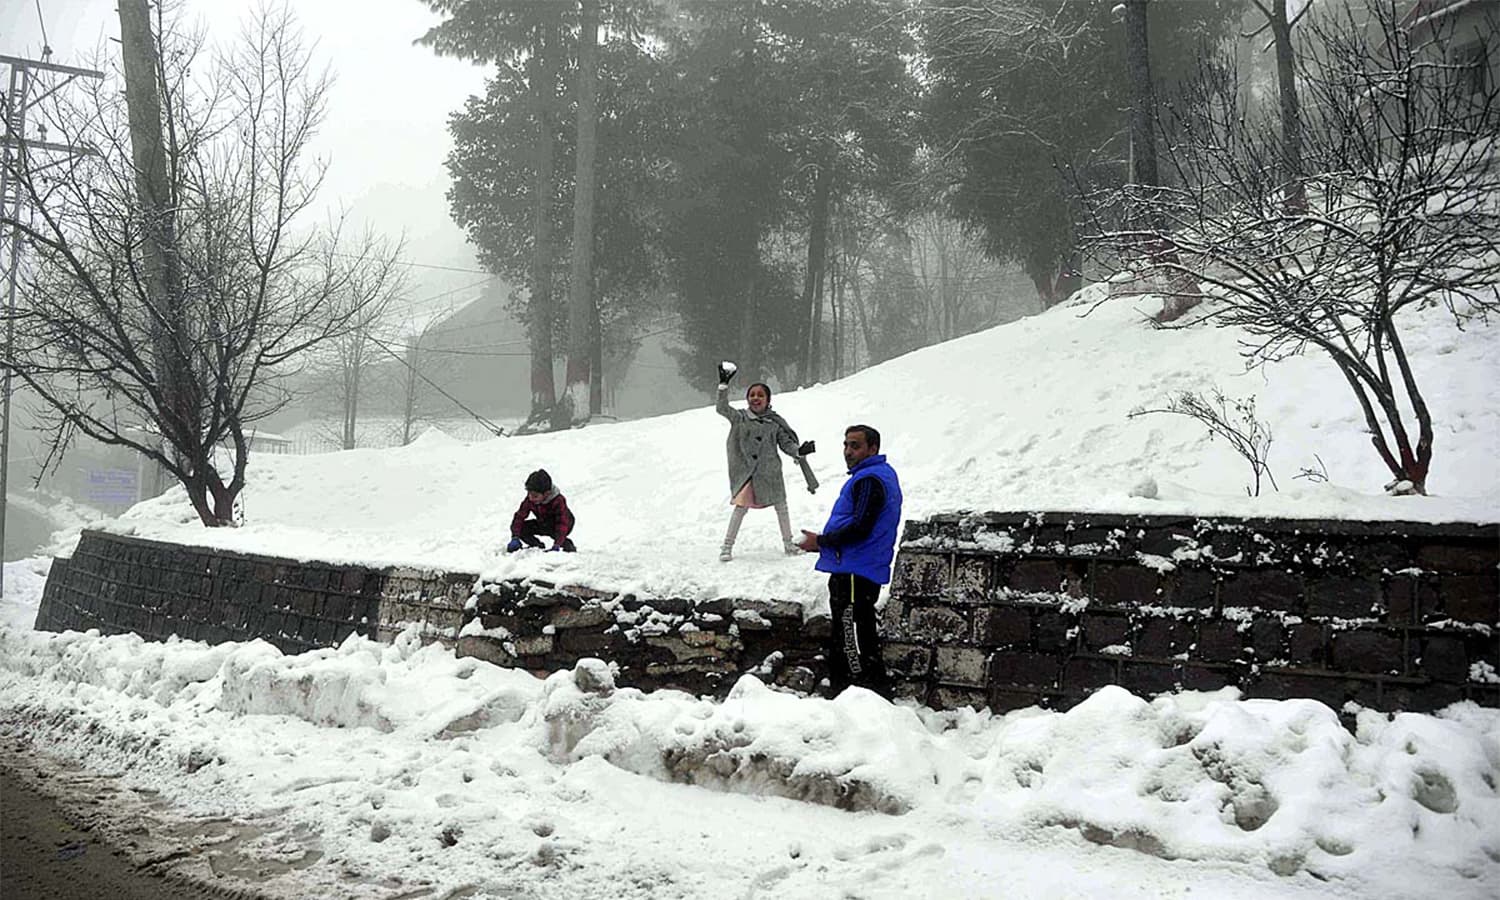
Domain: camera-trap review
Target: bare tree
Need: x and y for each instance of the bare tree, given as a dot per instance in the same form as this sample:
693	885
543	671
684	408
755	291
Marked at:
177	368
1400	183
363	303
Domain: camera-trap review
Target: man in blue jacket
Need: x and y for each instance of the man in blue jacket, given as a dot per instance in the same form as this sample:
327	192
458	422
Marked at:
855	549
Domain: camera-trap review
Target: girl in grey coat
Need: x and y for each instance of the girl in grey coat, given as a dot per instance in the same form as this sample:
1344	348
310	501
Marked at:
755	482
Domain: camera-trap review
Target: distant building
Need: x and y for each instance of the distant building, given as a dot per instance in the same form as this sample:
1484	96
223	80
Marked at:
1464	33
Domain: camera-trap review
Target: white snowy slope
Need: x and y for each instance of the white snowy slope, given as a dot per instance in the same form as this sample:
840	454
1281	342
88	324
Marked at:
1026	416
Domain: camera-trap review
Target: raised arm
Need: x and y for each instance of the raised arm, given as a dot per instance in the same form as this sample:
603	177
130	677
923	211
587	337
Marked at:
723	408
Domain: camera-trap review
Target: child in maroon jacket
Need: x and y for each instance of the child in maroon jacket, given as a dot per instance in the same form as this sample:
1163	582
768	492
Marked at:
553	518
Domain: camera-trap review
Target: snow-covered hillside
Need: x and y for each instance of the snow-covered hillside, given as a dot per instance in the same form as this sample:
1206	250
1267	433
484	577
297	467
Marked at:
1030	415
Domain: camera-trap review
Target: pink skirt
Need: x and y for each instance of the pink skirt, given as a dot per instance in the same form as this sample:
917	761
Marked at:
746	498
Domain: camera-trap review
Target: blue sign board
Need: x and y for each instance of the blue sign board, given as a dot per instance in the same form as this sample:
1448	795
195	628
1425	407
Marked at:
112	487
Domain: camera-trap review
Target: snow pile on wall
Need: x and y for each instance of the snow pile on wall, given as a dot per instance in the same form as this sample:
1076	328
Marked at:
1279	784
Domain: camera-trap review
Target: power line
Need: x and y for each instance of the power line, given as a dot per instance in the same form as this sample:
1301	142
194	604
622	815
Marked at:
417	265
46	47
494	429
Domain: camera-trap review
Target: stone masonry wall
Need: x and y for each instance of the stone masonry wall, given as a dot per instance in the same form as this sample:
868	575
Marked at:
999	610
1010	610
701	647
155	589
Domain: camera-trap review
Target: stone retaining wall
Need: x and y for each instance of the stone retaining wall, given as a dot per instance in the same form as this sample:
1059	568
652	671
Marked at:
122	584
700	647
1010	610
999	610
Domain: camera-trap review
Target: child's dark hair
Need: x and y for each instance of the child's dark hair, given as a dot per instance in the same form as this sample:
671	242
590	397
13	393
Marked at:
763	386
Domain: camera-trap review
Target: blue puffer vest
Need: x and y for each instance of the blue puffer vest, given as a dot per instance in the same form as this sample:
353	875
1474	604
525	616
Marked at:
871	557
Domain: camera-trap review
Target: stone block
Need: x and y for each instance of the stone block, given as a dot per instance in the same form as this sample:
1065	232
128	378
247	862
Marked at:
1345	597
1269	589
1035	576
1053	633
682	651
1004	700
1147	678
534	645
1483	694
1017	667
1420	695
1443	657
892	619
912	661
1333	689
818	627
1401	600
938	623
972	578
1471	598
577	643
1307	644
1367	650
1086	673
1267	639
919	574
719	606
1125	584
963	666
1002	626
951	697
1102	630
1193	588
1459	557
1219	640
1198	677
1384	555
1161	637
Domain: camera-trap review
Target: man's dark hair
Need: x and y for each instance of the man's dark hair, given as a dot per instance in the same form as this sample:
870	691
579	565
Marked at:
872	437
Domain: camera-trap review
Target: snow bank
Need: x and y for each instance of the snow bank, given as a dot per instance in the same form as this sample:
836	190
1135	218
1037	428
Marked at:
1275	785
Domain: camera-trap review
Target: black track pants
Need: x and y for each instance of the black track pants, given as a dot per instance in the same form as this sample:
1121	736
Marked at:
853	642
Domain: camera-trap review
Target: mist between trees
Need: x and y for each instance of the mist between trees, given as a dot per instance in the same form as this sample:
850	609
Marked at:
807	187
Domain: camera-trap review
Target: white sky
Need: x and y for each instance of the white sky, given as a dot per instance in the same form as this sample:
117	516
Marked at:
386	132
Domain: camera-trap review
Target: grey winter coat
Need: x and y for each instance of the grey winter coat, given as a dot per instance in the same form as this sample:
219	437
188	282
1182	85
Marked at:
751	448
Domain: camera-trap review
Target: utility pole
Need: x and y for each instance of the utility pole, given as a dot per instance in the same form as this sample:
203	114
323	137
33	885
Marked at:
155	193
15	161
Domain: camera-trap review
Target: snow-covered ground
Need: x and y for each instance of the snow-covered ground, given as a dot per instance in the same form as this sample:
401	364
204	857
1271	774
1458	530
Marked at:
384	766
380	771
1030	415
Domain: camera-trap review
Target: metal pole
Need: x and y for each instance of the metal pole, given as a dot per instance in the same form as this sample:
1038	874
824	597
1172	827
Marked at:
15	147
15	123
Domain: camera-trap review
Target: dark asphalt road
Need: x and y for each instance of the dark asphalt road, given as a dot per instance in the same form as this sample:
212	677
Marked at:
46	856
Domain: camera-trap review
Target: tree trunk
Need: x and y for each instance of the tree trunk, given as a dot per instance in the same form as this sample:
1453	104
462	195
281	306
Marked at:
177	397
543	74
812	283
1294	195
1142	96
351	405
581	311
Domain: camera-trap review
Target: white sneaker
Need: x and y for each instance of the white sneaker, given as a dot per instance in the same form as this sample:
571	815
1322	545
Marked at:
725	555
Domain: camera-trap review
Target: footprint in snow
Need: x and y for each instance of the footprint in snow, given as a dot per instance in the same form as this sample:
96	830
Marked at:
874	844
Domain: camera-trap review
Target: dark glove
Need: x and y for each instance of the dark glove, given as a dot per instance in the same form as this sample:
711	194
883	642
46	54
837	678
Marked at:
513	546
726	371
807	448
